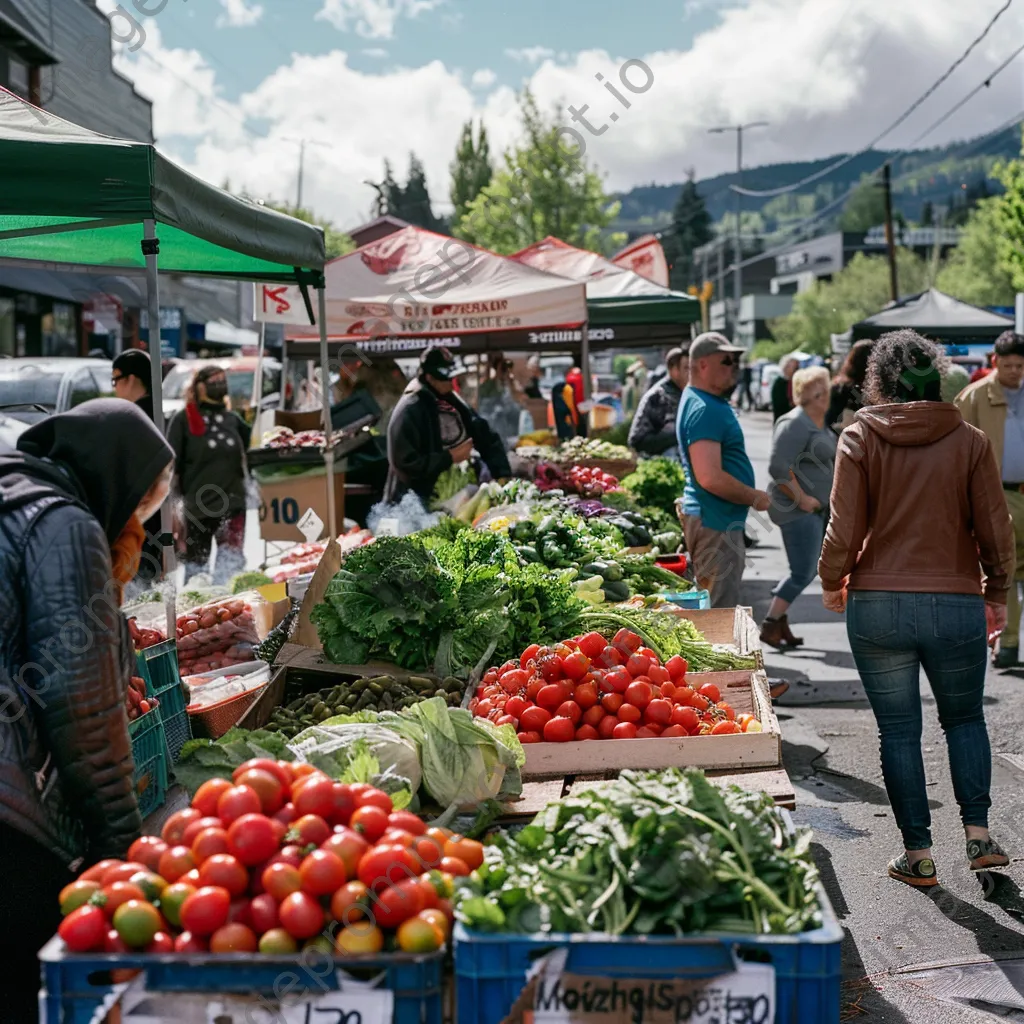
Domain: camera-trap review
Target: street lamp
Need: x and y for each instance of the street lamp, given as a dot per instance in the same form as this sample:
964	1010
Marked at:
739	129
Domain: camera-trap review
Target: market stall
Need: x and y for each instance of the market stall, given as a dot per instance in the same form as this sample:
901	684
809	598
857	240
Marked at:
937	316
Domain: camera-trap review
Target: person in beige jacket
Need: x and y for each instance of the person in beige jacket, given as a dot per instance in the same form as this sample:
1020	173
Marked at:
995	405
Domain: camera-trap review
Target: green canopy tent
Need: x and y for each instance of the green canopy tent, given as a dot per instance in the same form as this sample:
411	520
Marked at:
71	198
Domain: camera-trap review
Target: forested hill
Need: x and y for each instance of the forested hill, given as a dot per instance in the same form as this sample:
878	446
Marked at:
940	177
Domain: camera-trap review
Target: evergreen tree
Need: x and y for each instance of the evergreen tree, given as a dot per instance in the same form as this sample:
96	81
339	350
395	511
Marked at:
865	209
471	169
691	228
927	214
415	206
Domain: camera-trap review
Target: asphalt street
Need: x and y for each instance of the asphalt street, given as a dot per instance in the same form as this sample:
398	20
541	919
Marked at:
893	933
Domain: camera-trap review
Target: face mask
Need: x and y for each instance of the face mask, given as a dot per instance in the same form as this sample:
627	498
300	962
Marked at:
216	391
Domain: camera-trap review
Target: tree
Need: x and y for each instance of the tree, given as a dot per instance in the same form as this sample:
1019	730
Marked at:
409	202
865	209
975	271
471	169
336	242
927	214
545	187
691	228
859	290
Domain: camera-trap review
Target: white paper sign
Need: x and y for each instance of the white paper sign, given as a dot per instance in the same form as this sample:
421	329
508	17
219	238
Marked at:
363	1006
280	304
311	526
745	996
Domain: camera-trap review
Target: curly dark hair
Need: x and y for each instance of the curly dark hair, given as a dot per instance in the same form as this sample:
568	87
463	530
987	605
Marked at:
904	367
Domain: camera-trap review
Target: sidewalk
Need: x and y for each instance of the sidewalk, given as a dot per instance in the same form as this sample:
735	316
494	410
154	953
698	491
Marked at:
831	753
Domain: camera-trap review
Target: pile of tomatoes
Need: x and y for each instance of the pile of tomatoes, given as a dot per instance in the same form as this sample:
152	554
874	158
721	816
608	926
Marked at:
276	859
589	689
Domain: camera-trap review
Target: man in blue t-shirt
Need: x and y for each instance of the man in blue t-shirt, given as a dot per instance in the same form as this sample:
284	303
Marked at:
719	477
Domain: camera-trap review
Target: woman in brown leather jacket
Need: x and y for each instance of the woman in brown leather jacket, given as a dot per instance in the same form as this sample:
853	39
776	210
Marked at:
918	516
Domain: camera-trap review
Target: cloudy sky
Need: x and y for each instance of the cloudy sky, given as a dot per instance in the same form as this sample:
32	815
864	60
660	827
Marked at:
236	82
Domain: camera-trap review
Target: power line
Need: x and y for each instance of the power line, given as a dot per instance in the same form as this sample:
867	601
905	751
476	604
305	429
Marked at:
768	193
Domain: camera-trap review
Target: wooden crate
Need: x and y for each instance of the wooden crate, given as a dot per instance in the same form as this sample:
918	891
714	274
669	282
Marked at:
741	751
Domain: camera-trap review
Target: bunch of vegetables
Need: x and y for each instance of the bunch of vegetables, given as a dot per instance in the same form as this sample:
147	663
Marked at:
284	437
216	636
618	580
277	857
492	495
564	540
648	853
378	693
143	637
589	689
579	449
657	483
136	702
454	479
248	581
591	482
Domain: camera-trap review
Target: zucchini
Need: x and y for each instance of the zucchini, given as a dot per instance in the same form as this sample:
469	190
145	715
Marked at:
618	591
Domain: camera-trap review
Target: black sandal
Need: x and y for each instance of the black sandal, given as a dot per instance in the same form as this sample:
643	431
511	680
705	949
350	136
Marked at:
920	875
985	854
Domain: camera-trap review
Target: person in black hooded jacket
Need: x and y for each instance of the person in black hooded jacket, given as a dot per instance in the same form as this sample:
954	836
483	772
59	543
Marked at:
432	428
76	490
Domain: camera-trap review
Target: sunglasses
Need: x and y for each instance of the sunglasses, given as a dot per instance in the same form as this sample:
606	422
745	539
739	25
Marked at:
729	361
114	380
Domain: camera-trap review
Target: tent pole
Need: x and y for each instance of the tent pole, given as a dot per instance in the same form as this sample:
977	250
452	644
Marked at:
257	390
585	359
325	391
150	248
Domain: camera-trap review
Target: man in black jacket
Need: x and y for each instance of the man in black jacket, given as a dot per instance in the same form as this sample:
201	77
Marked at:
432	428
653	431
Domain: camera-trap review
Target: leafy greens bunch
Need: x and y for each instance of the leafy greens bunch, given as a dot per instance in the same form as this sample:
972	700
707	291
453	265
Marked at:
656	482
648	853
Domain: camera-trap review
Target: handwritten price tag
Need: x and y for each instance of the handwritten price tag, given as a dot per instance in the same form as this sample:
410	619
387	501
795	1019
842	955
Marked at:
366	1006
311	526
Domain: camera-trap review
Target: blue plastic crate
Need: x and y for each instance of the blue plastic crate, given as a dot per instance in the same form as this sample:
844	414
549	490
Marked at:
694	600
149	752
158	665
74	985
490	970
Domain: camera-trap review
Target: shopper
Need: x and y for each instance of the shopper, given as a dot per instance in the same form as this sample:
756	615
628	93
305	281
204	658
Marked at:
995	404
782	389
719	477
954	380
916	505
801	465
67	497
432	429
132	379
848	387
574	378
532	389
210	444
653	430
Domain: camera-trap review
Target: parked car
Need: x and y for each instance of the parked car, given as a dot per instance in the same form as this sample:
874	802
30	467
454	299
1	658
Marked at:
241	374
34	388
10	430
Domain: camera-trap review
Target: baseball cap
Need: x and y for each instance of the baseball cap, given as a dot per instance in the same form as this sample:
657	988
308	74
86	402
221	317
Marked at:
440	363
711	343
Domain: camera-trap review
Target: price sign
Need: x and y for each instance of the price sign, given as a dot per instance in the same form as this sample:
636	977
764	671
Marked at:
311	526
366	1006
743	996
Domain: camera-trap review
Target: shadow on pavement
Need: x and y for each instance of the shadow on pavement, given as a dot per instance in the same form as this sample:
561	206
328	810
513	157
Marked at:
859	998
993	938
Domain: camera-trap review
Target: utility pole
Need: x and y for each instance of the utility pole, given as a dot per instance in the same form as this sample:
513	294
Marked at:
302	164
890	237
737	280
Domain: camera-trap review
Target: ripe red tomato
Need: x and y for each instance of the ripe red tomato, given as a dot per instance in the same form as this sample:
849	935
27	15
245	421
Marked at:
322	872
408	822
528	655
624	731
233	938
280	880
673	732
173	831
209	842
286	815
683	695
515	706
700	702
397	903
120	872
252	838
559	730
676	667
592	716
206	910
371	821
551	696
235	802
515	680
200	825
371	797
647	732
571	710
550	667
98	870
160	943
175	861
301	915
386	865
606	727
617	680
639	694
207	795
686	717
658	711
350	846
629	713
610	657
592	644
264	764
725	729
711	691
267	787
310	828
225	872
147	850
314	795
658	675
528	737
638	665
576	665
186	942
726	710
113	943
587	732
586	695
113	895
611	702
534	719
263	913
535	685
84	930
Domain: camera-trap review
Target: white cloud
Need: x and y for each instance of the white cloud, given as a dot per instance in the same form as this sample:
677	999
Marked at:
374	51
239	13
530	54
483	79
823	89
373	19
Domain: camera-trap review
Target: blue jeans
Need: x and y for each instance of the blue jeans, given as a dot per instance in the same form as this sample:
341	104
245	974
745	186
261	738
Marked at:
802	539
894	635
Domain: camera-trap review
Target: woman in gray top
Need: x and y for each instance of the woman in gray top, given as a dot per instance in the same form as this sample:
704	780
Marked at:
802	461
